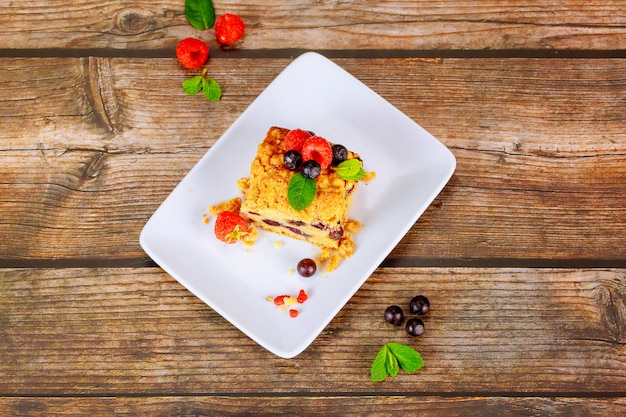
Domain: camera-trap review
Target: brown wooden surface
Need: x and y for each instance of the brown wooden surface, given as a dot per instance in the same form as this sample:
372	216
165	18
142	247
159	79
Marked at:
523	254
310	24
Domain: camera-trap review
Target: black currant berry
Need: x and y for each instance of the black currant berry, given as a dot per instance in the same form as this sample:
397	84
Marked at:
307	267
293	160
415	327
394	315
419	305
340	154
311	169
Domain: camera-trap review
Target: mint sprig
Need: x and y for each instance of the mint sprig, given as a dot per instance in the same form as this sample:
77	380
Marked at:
301	191
200	13
391	358
350	170
211	88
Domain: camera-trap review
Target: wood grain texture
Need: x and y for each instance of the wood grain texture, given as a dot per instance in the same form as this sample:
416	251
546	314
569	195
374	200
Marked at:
95	133
95	332
94	145
368	406
307	24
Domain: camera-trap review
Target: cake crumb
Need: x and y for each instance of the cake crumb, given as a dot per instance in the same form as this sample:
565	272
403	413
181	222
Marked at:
244	184
353	226
369	175
333	263
324	256
278	244
234	205
249	238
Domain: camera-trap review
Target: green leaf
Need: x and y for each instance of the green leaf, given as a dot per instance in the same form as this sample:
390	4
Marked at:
378	372
392	363
301	191
211	89
409	359
200	13
391	358
350	170
192	85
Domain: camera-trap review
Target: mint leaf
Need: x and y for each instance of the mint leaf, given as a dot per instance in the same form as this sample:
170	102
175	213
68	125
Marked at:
392	363
193	85
348	167
409	359
393	356
200	13
301	191
379	372
359	175
350	170
211	89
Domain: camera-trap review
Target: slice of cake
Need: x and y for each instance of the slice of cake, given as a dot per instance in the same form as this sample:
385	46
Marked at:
266	201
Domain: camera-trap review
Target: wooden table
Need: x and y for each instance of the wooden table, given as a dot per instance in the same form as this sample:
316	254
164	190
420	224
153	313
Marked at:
523	254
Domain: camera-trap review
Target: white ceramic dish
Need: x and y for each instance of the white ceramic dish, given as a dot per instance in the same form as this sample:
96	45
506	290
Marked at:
315	94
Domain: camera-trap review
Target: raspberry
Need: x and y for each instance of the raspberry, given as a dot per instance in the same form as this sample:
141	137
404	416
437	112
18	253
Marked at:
318	149
230	226
229	28
294	140
192	52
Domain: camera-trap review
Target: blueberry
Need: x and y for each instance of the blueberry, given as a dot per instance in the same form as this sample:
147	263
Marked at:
307	267
415	327
419	305
311	169
340	154
293	160
394	315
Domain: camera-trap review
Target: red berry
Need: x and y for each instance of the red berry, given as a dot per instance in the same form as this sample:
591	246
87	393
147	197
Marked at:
318	149
192	52
229	28
294	140
280	299
302	297
230	226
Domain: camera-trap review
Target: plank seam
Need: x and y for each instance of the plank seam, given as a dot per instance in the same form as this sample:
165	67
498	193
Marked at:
389	263
291	53
321	394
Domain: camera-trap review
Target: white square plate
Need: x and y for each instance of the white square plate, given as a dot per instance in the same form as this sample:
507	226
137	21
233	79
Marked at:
314	94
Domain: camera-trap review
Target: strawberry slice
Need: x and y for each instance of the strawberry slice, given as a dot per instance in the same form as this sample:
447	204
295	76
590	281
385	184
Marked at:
318	149
230	227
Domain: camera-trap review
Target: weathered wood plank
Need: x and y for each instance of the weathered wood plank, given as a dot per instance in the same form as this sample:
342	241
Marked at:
312	406
124	331
93	146
513	104
93	205
473	25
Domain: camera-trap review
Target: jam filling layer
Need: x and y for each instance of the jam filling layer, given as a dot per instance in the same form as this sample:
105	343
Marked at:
294	227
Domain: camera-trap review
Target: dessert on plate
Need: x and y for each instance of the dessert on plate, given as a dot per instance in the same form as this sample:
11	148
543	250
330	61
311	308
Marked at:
300	186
